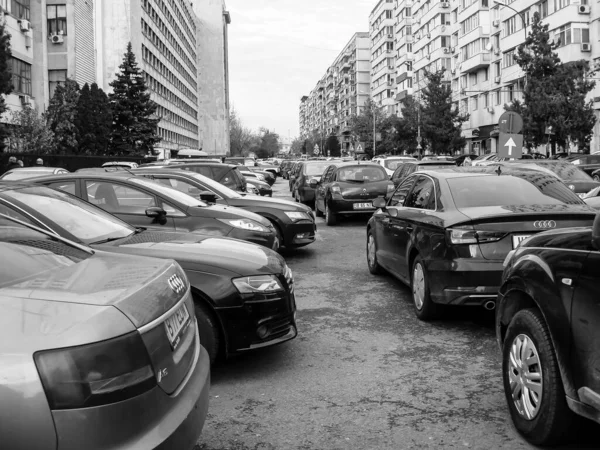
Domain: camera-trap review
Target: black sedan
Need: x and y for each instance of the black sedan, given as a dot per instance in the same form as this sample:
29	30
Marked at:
144	203
243	293
446	233
302	191
548	328
294	223
349	188
407	168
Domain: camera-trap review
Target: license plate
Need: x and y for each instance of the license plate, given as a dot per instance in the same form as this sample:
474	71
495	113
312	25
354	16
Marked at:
176	324
518	238
368	205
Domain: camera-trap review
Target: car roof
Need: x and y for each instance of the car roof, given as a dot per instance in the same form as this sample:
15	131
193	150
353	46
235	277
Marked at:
199	163
355	163
478	171
35	169
121	174
433	162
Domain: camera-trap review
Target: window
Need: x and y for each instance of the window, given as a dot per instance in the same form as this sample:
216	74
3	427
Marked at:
56	77
498	97
402	190
544	9
510	94
581	35
473	77
21	76
57	19
65	186
486	74
563	34
508	59
497	69
469	24
114	197
484	100
560	4
423	195
473	103
512	25
20	9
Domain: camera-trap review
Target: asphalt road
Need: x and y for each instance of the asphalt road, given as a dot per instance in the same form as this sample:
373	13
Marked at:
363	372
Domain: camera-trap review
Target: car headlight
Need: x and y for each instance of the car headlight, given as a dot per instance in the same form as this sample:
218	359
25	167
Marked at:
257	284
296	216
260	177
245	224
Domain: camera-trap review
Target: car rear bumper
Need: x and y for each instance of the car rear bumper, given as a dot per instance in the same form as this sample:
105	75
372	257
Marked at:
464	281
299	234
153	420
346	206
265	192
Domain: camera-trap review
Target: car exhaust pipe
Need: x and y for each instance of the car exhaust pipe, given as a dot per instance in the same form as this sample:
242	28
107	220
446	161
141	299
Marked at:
490	306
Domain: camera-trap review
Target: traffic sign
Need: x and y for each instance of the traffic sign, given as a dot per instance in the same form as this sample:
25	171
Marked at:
316	149
359	148
510	145
419	139
510	122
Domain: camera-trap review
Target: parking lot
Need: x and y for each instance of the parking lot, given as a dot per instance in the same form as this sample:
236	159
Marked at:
363	372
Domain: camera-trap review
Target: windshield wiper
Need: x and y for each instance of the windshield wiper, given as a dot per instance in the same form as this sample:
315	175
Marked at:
104	241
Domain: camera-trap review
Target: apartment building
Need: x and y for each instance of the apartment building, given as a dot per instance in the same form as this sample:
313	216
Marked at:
340	94
164	37
383	57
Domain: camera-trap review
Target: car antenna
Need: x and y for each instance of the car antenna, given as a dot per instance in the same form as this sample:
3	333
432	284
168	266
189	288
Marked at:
499	171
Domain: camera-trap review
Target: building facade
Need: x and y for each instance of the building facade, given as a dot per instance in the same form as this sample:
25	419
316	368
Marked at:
383	57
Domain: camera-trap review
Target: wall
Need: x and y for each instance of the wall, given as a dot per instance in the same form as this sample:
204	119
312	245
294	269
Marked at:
85	48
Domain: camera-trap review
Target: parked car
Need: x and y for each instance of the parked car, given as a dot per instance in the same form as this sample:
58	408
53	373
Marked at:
229	278
439	158
481	159
447	233
294	223
227	174
302	190
548	329
596	174
390	163
90	338
294	173
262	187
254	176
349	188
30	172
269	178
126	164
407	168
460	160
241	160
588	163
144	203
285	168
575	178
269	167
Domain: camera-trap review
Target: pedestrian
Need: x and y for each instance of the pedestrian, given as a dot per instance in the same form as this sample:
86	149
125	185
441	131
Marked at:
20	163
39	162
12	164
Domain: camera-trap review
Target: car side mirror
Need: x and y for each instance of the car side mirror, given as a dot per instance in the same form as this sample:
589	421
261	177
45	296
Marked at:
379	202
393	211
596	232
313	183
193	190
208	196
155	212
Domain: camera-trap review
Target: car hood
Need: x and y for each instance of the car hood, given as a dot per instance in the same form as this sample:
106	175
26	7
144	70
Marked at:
367	190
202	252
138	287
226	212
269	202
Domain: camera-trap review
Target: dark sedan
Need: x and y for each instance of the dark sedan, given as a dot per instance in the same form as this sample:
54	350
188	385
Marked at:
407	168
303	192
548	328
349	188
294	223
243	293
446	233
227	174
144	203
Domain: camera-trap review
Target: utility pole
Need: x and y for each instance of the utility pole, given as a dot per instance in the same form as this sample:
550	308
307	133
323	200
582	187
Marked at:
374	134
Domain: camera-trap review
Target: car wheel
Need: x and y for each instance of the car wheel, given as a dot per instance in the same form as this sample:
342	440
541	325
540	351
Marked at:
208	330
318	212
278	237
374	266
330	217
297	196
532	382
597	178
425	308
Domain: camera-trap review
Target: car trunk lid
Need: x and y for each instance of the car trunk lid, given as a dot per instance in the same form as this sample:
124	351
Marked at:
356	190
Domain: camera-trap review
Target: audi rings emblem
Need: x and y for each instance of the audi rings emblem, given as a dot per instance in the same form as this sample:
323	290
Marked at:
177	284
544	224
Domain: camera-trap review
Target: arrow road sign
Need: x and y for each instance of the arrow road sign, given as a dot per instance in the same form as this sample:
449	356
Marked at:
510	145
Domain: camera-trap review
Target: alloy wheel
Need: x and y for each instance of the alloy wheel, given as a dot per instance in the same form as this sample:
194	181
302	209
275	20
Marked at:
418	286
525	376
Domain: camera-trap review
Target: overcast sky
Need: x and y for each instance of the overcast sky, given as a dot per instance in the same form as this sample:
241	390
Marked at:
279	49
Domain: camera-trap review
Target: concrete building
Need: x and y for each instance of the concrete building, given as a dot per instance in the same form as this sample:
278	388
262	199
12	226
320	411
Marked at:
164	37
383	59
213	79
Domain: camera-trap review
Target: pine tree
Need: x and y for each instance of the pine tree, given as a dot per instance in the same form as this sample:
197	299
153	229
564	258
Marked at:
61	116
6	86
134	113
441	120
84	122
94	120
103	114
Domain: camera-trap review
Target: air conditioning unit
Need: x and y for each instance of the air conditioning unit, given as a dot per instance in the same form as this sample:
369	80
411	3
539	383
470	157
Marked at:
390	35
585	47
57	39
445	5
497	80
446	50
496	23
24	100
452	49
453	71
25	25
584	9
490	109
496	51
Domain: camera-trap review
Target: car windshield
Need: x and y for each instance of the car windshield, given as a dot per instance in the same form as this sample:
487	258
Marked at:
315	169
393	164
82	220
362	174
168	192
441	165
529	188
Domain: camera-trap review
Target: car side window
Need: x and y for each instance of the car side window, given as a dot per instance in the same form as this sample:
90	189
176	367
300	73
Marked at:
401	192
65	186
202	170
117	198
180	185
397	175
423	195
327	176
172	211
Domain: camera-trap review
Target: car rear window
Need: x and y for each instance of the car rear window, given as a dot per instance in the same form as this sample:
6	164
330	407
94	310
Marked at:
360	173
533	188
315	169
441	165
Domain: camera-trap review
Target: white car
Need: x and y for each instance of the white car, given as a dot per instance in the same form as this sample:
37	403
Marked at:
391	163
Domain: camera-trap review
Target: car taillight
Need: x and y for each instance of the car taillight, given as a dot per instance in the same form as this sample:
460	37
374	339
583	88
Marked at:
336	190
470	236
96	374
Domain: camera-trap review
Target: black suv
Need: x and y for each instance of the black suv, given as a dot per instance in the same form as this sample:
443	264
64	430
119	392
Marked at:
548	328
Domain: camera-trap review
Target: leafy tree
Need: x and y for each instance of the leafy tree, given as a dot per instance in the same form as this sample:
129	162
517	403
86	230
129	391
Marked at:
93	121
441	120
30	133
554	93
297	146
269	143
134	113
407	125
362	124
6	86
61	116
240	137
332	146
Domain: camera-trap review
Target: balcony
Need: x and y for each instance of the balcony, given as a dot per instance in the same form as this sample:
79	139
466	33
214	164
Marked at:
406	39
479	61
401	95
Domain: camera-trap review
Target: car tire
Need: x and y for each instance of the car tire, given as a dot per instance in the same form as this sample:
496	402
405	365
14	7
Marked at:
545	419
318	212
330	216
372	263
278	235
425	308
596	178
208	330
